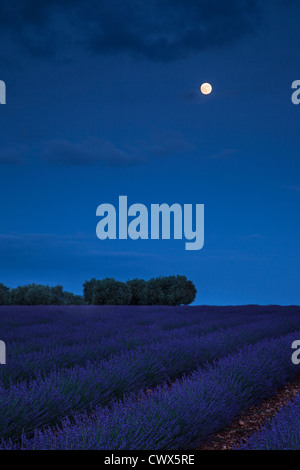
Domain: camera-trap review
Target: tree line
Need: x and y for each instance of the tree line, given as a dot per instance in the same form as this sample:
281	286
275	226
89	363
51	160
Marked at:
38	294
170	290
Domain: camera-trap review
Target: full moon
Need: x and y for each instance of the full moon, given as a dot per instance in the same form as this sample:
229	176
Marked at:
206	88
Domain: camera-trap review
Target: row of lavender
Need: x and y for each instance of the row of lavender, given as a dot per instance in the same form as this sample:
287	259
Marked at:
174	353
181	415
42	338
48	395
280	433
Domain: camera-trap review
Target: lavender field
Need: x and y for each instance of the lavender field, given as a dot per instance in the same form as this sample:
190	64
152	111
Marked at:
88	377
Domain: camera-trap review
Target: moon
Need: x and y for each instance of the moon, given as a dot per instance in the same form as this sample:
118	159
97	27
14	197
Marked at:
206	88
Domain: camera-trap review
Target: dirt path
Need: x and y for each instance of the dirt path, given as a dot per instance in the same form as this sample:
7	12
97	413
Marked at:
250	421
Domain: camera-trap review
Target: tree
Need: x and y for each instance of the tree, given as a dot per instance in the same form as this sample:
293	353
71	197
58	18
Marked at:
139	290
5	297
18	295
57	295
72	299
88	290
37	295
111	292
190	291
155	293
170	290
31	294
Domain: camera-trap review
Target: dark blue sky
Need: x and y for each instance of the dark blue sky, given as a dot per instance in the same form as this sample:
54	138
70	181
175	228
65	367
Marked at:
103	100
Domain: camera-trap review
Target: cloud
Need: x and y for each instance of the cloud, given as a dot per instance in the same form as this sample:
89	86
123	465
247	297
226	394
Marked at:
42	239
295	188
96	151
191	96
18	248
123	254
12	156
253	236
42	254
91	151
170	30
166	144
161	30
226	153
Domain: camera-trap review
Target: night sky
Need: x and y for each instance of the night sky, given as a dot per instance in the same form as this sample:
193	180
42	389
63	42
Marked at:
103	100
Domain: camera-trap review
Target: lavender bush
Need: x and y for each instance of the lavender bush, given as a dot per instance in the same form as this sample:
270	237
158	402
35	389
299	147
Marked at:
280	433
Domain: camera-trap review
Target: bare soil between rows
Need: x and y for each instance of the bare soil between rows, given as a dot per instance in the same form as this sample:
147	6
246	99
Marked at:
251	420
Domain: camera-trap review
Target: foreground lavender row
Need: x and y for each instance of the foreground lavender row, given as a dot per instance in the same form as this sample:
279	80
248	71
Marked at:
181	415
280	433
